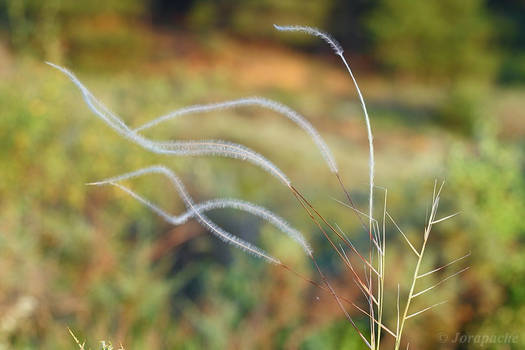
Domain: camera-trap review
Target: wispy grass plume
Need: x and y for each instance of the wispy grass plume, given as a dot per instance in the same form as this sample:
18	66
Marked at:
313	31
179	148
339	52
254	101
190	205
209	205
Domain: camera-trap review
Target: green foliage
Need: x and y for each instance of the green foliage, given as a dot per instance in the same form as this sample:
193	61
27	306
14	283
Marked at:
47	233
490	185
336	336
81	257
48	29
83	253
255	18
492	182
461	109
510	16
438	39
513	68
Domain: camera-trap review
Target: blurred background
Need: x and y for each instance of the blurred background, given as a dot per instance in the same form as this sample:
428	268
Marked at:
445	86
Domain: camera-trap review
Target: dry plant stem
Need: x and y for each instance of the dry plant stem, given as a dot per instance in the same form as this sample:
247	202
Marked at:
397	309
333	229
403	234
351	202
410	294
428	228
375	240
444	266
381	280
370	138
80	345
379	277
332	291
425	309
371	308
440	282
325	289
302	201
371	175
369	293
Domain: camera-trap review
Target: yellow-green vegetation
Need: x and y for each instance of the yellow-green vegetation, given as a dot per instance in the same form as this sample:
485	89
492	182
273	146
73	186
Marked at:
100	263
104	345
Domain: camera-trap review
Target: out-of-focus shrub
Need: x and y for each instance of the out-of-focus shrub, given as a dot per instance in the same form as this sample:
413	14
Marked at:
32	26
255	18
435	39
460	109
53	29
510	16
490	185
56	260
513	68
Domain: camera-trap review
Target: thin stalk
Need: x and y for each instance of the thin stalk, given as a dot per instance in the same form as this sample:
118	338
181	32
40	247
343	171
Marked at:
381	281
371	169
351	202
333	229
370	137
444	266
410	294
303	202
428	228
426	309
325	280
346	300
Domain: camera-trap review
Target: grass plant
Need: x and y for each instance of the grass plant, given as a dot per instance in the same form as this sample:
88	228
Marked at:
369	279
